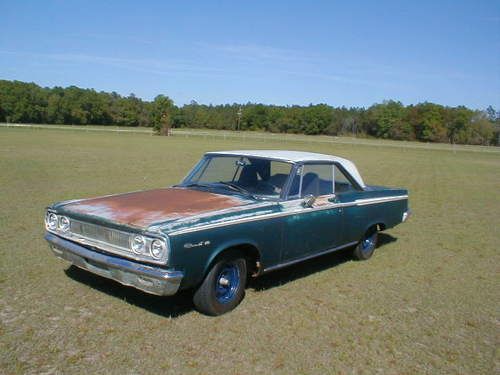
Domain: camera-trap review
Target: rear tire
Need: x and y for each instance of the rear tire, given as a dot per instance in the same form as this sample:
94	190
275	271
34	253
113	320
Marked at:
366	247
223	287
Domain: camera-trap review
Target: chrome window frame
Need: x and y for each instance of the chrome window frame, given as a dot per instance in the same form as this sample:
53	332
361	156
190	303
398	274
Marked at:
299	168
204	162
284	196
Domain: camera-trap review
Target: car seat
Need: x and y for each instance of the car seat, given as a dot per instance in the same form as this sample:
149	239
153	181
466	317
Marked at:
248	176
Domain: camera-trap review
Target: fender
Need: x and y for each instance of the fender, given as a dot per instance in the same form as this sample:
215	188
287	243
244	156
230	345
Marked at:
227	245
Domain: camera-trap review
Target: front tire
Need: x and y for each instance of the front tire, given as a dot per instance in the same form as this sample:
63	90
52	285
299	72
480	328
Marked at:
366	247
224	286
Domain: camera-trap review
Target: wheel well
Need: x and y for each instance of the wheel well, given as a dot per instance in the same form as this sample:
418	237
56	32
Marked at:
250	253
375	228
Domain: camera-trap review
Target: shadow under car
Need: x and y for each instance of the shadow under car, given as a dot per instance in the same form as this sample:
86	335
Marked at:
181	303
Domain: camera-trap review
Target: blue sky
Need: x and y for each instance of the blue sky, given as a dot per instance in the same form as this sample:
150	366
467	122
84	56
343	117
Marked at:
351	53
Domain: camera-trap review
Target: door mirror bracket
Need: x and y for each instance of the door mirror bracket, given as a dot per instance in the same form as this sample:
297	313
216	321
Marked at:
308	201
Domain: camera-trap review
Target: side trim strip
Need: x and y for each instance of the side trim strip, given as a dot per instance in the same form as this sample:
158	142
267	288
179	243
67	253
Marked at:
300	210
156	225
311	256
363	202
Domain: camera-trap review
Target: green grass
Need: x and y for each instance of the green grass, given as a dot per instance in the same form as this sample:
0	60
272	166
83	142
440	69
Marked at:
427	302
248	136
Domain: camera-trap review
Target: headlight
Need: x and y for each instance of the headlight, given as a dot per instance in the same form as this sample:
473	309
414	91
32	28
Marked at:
51	221
157	249
63	223
138	244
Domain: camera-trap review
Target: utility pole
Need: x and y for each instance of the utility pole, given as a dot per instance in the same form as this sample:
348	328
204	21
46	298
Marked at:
239	113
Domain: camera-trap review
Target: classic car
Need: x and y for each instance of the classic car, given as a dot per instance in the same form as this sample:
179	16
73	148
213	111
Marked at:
237	214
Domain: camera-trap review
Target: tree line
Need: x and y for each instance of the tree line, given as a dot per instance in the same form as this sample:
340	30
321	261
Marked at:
22	102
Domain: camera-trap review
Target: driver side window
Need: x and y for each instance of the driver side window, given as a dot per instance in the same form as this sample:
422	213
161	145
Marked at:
313	179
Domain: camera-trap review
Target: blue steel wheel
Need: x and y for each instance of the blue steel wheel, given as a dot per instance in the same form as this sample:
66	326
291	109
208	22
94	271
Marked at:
227	283
365	248
223	287
368	243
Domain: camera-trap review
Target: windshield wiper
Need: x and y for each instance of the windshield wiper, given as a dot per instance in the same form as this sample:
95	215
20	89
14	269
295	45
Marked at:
237	188
194	184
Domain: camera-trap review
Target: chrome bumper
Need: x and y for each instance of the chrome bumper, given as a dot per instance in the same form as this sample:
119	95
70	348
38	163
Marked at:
149	279
406	215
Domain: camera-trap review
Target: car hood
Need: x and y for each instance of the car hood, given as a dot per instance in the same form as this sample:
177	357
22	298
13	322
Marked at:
145	208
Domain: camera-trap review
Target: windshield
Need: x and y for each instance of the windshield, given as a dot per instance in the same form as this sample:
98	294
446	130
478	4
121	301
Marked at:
251	176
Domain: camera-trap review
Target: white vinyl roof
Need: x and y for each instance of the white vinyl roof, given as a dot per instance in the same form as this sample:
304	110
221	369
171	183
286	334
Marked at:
296	157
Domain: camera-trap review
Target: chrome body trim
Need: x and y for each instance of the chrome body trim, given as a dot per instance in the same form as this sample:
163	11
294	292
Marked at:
310	256
299	210
149	279
156	226
363	202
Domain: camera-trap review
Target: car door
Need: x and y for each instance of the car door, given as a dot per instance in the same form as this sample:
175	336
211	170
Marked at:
309	230
355	217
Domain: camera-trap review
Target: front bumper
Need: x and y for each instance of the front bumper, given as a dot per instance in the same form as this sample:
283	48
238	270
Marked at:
149	279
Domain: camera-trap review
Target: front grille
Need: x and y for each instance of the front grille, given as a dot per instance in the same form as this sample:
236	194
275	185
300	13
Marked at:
94	232
109	240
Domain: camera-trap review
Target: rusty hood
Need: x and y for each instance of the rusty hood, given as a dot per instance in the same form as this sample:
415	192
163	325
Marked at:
145	208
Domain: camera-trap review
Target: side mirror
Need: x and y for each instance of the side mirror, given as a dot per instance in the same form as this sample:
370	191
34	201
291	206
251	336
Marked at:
308	200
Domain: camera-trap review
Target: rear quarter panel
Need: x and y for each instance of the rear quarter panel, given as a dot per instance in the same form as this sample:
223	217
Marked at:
366	213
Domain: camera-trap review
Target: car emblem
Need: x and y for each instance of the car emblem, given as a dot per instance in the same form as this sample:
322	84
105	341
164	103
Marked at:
199	244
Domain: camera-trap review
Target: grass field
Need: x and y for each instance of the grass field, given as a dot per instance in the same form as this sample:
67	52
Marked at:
248	136
427	302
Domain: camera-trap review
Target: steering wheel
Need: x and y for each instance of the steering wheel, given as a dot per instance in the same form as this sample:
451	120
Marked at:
268	187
